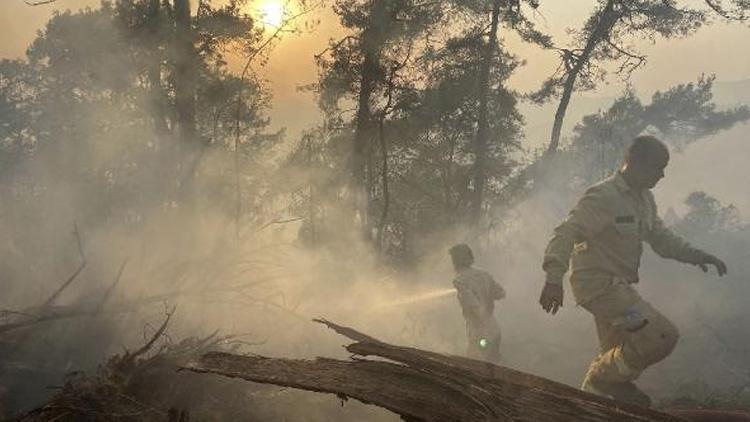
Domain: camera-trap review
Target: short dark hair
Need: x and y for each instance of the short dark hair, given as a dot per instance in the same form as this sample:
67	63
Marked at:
461	255
644	146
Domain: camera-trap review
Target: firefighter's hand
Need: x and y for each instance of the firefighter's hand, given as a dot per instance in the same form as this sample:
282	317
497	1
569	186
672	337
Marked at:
709	259
551	298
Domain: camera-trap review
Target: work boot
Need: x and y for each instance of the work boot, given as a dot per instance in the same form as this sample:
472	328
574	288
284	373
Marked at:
626	392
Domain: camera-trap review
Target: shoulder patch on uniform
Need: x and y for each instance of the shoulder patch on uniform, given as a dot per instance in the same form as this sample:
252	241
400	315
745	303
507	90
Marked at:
625	219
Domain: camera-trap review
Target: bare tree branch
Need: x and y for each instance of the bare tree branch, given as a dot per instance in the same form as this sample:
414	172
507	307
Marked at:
632	60
279	221
38	3
336	46
75	274
146	347
112	287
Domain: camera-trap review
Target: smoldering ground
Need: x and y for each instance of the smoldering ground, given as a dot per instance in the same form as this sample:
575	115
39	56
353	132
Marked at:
268	288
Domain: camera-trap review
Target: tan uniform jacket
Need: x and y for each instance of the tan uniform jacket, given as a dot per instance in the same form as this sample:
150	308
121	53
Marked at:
477	293
602	239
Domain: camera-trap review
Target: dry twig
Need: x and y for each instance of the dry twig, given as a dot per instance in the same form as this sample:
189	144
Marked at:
75	274
38	3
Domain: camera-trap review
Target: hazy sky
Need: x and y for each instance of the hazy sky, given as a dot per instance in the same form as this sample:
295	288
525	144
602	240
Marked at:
712	50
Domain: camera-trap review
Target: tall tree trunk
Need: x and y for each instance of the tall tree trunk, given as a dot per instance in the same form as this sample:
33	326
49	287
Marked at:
186	64
601	31
154	69
311	203
372	39
185	73
384	177
483	127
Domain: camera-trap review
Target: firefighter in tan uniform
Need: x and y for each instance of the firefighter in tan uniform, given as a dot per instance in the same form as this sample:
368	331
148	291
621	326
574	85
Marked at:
602	240
477	293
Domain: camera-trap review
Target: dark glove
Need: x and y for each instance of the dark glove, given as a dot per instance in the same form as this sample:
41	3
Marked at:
707	259
551	298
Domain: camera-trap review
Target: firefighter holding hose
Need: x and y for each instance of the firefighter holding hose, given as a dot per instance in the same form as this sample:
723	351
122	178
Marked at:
477	293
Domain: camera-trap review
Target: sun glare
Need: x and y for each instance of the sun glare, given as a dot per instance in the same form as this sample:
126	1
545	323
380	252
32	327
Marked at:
271	12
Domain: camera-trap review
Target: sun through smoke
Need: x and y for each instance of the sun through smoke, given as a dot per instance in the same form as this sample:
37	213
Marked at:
271	12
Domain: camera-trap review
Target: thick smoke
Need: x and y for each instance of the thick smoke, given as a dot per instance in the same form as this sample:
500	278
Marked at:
267	285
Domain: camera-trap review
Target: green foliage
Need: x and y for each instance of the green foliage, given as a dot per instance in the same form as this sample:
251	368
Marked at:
424	108
439	150
17	88
686	113
707	215
95	105
681	115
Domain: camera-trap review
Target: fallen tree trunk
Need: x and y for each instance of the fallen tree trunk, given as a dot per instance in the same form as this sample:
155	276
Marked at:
427	386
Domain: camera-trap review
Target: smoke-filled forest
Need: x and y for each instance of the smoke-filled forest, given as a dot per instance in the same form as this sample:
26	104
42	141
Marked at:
163	213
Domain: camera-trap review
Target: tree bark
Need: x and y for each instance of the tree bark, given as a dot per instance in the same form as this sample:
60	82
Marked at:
154	69
371	42
185	77
427	386
602	29
483	126
384	178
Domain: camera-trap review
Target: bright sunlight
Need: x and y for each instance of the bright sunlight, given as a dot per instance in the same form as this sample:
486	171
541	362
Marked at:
271	12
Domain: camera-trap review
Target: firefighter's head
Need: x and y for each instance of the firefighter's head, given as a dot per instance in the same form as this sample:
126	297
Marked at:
645	161
461	256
